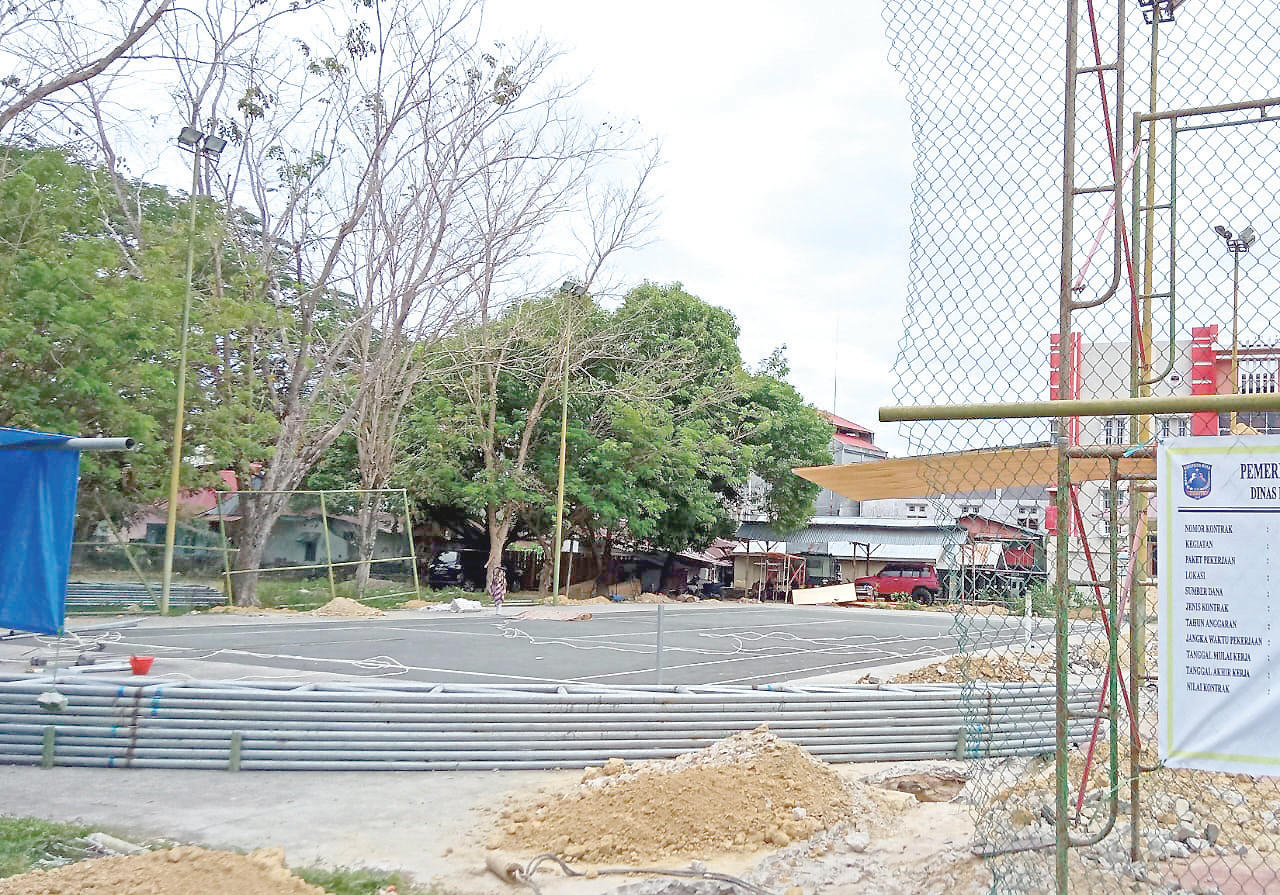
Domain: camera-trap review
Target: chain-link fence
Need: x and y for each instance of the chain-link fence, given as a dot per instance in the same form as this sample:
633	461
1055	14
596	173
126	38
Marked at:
1095	196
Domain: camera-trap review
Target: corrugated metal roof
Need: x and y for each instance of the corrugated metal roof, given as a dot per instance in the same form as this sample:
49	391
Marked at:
856	531
922	552
841	423
864	444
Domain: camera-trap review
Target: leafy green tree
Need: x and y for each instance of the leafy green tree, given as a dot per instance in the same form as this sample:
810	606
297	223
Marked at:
664	424
400	173
779	433
670	472
665	427
88	320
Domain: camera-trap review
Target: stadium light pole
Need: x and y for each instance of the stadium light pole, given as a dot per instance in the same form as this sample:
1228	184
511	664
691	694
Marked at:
1237	245
197	144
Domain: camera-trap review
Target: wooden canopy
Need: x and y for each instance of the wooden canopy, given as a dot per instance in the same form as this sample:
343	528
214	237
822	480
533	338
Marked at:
934	474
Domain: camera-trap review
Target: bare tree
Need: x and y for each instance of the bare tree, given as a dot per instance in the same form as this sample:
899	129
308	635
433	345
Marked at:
52	46
541	341
506	191
396	180
387	175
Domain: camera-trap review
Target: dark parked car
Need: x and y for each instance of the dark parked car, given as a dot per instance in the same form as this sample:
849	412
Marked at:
458	568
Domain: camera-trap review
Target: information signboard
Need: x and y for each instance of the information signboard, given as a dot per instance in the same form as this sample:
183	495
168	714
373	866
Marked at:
1218	501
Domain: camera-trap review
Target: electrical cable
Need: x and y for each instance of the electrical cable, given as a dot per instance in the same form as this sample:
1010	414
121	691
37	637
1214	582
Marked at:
525	875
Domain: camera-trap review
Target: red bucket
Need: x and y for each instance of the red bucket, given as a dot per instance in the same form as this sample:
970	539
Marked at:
141	664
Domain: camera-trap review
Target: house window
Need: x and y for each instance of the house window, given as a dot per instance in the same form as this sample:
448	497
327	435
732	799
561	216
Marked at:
1261	421
1258	378
915	510
1104	503
970	509
308	551
1028	517
1174	426
1113	430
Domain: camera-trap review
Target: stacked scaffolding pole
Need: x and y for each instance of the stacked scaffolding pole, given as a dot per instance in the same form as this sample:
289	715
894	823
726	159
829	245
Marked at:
436	727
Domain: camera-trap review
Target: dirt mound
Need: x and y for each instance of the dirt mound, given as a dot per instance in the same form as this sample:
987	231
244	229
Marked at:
959	669
345	607
653	598
183	870
742	794
338	607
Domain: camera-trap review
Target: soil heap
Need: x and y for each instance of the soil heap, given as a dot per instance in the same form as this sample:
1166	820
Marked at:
184	870
750	791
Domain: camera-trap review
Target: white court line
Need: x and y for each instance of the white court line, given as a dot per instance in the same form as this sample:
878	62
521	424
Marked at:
864	649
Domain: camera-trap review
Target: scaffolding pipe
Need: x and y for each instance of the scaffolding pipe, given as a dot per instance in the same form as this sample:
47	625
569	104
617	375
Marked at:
75	444
520	694
427	727
1267	401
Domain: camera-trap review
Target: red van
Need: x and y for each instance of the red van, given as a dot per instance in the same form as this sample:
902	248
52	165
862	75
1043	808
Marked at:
919	581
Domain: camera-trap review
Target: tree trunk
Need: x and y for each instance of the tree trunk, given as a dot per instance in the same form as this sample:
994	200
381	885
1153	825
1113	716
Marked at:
665	581
546	568
499	528
258	515
366	539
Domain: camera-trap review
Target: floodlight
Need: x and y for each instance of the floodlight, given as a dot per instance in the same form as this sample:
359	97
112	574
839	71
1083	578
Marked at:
189	139
1237	246
1158	10
213	146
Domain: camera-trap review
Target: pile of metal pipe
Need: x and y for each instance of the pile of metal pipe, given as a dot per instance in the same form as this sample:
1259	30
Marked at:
142	722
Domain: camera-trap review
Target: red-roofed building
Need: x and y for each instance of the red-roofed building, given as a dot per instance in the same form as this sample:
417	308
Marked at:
850	443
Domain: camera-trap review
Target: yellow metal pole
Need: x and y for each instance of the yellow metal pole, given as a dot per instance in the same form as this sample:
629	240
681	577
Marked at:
175	462
1087	407
1143	364
564	429
413	551
328	548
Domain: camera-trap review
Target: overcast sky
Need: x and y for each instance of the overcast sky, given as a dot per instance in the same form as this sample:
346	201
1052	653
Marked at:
785	193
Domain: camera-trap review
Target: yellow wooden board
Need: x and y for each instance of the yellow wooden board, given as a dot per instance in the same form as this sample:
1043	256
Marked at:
934	474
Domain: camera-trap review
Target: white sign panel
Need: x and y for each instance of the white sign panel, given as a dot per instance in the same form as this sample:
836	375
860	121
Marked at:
1218	501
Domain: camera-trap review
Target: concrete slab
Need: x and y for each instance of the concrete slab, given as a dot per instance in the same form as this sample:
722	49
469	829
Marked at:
629	643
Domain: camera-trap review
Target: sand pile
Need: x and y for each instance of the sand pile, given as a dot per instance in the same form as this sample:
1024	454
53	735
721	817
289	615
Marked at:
184	870
338	607
345	607
745	793
653	598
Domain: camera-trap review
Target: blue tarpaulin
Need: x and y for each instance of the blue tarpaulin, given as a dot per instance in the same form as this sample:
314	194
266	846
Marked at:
38	479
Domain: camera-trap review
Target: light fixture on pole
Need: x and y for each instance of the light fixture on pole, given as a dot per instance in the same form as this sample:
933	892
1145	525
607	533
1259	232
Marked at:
197	144
1161	10
1237	245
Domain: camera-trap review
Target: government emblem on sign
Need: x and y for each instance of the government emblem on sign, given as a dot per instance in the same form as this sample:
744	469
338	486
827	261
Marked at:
1197	479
